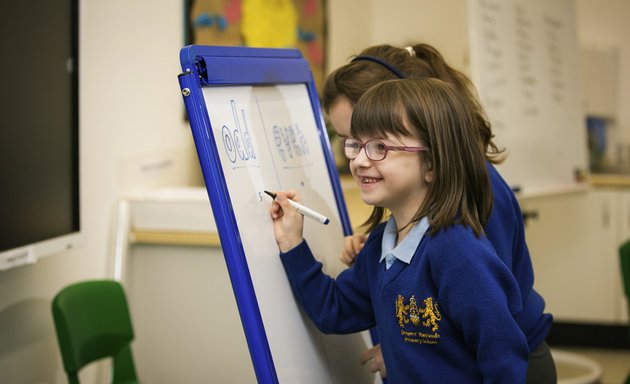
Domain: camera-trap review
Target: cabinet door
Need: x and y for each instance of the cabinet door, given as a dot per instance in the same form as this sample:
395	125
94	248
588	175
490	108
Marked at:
624	215
572	243
181	299
623	235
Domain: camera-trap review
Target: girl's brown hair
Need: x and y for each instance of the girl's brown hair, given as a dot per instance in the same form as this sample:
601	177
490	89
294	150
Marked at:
444	120
352	80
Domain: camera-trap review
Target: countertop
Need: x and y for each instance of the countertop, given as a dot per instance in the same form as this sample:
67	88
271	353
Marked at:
610	180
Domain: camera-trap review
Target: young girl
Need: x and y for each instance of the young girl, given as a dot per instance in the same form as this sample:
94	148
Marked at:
443	302
504	228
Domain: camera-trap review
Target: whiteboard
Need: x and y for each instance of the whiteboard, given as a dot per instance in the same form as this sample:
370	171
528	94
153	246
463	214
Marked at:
267	134
524	61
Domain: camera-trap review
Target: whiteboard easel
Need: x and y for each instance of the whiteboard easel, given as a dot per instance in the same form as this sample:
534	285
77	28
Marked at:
257	125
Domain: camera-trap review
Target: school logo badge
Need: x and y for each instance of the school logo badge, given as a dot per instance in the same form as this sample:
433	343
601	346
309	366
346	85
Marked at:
428	316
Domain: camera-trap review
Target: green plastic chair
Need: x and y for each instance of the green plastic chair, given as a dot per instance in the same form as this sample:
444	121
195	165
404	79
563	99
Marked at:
92	322
624	261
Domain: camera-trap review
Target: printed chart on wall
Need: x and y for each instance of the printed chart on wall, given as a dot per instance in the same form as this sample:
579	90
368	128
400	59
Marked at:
266	136
524	63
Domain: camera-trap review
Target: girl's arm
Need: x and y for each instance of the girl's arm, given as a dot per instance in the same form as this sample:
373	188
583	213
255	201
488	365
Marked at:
481	297
335	306
340	305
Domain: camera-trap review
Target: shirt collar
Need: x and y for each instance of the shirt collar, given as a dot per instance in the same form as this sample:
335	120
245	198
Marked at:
406	249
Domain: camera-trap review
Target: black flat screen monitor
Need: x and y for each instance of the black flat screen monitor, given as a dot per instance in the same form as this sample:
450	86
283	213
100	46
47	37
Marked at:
39	147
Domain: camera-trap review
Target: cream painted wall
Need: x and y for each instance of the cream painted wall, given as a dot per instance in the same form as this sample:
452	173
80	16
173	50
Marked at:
348	29
442	24
605	24
357	24
132	136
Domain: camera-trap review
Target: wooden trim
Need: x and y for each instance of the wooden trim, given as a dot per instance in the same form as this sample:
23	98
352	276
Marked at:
610	180
174	238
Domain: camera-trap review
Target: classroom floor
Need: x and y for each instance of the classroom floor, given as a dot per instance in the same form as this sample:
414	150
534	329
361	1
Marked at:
615	362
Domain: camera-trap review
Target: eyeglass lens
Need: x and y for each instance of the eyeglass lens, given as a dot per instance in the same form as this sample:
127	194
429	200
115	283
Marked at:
375	150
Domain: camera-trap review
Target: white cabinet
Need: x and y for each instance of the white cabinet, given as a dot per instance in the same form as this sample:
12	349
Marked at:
185	316
623	235
572	248
573	243
624	215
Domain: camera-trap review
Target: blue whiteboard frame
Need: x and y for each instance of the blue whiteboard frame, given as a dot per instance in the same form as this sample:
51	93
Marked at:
215	66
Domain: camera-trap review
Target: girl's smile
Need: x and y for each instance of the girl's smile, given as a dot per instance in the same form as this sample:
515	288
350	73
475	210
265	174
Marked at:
368	180
396	182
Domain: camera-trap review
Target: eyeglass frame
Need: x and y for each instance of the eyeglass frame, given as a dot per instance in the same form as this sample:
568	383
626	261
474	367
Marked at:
388	148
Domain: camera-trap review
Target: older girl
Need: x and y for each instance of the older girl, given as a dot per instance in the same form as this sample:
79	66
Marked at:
504	228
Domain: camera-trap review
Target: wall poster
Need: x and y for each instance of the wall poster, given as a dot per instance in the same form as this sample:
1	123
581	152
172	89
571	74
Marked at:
261	23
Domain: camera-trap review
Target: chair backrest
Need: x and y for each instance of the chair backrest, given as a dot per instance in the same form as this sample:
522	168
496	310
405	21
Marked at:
624	261
92	322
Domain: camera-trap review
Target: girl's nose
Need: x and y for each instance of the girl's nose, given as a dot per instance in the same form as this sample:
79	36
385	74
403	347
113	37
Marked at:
362	160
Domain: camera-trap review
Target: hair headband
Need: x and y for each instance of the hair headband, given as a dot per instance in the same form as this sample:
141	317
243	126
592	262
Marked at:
393	69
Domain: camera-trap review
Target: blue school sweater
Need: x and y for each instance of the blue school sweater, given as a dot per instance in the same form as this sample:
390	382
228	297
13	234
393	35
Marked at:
447	317
506	232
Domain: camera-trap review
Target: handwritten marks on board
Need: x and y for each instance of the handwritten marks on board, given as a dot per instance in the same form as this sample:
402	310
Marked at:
237	140
524	45
524	60
287	139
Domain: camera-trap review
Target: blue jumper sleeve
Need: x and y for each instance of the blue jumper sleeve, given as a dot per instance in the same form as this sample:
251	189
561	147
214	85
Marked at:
340	305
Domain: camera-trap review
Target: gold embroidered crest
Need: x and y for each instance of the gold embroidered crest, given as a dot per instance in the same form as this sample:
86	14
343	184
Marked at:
431	313
412	312
401	311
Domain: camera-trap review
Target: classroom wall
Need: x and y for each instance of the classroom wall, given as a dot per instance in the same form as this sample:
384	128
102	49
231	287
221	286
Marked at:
604	25
133	135
400	22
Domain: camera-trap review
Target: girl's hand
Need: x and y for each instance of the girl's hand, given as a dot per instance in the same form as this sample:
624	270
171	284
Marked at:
288	224
373	357
351	246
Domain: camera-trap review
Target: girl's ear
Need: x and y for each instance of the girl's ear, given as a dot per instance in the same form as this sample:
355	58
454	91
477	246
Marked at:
429	173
